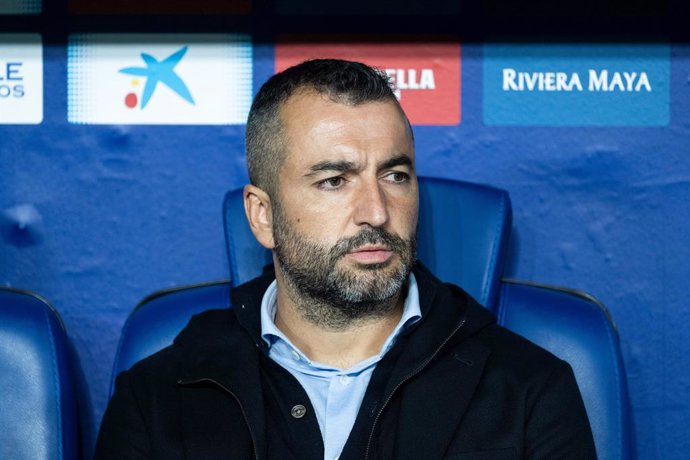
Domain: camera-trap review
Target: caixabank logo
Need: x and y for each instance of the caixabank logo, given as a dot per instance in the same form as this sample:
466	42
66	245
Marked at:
155	72
21	6
21	79
426	75
159	79
577	84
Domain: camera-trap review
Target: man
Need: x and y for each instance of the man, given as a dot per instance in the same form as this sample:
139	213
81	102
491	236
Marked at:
349	348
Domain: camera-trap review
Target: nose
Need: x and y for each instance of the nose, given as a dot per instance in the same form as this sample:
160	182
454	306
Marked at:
371	207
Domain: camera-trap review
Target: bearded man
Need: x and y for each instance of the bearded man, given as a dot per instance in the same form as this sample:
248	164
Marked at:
349	348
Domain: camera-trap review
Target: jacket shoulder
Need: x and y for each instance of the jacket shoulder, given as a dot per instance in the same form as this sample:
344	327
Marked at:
502	343
519	360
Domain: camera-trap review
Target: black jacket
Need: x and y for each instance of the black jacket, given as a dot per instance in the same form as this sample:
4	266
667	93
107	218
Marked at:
454	386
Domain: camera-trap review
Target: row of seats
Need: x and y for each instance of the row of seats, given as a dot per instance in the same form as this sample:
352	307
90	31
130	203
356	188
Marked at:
464	234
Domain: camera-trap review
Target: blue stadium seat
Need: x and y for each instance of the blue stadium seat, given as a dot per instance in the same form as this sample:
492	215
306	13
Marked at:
169	310
463	236
577	328
39	387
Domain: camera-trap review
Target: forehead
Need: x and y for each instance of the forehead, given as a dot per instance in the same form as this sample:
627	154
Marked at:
314	127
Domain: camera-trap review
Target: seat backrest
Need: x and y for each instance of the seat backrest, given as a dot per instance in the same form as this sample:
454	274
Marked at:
38	387
578	329
463	236
156	320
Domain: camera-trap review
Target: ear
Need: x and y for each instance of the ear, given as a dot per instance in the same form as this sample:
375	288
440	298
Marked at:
257	207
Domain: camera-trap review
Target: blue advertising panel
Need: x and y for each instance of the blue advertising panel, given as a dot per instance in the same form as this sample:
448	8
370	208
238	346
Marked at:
576	84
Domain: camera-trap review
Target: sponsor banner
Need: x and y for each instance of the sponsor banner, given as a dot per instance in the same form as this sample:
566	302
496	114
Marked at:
426	75
158	7
577	84
21	6
189	79
21	79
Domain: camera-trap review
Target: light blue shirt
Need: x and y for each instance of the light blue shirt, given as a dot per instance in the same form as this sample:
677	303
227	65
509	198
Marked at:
335	394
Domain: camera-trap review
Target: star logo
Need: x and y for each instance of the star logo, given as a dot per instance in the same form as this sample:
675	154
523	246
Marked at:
157	72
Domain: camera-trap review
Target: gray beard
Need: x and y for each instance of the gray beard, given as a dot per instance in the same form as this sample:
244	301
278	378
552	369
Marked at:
334	297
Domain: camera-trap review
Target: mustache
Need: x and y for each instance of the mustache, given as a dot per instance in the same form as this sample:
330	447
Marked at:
370	235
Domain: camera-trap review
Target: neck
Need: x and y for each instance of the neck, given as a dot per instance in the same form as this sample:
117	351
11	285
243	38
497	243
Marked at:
329	338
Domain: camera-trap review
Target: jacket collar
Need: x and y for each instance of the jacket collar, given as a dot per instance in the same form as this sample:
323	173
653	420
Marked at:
449	317
219	344
250	294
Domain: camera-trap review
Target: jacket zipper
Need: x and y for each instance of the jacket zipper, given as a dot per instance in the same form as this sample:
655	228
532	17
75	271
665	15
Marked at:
408	377
239	403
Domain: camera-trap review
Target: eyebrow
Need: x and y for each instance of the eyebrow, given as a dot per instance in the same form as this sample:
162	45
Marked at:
400	160
344	166
338	166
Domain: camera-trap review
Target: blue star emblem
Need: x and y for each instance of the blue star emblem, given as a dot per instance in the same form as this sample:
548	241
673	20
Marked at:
161	72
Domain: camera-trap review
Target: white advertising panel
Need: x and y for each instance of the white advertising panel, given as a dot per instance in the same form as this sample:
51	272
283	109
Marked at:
187	79
21	79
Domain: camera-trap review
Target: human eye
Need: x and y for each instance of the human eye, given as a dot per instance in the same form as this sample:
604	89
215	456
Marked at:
332	183
397	177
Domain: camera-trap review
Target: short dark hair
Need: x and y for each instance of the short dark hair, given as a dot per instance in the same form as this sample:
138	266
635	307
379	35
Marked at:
344	82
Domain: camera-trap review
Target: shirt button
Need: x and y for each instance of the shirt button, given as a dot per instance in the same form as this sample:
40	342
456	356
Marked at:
298	411
344	379
295	355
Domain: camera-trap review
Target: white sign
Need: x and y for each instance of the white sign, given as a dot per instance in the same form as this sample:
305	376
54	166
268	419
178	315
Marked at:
21	79
186	79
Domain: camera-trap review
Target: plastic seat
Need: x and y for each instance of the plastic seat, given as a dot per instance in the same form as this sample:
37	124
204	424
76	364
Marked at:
578	329
39	412
156	320
463	238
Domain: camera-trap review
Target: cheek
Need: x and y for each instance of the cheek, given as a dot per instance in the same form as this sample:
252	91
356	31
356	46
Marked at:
412	225
407	213
318	227
324	217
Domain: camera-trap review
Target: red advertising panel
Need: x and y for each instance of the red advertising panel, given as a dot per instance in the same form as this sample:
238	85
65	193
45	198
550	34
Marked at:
426	75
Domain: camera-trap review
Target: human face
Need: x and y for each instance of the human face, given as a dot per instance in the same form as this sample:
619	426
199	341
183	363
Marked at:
345	220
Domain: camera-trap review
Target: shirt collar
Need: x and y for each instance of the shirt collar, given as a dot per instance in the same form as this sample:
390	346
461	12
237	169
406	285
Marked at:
270	332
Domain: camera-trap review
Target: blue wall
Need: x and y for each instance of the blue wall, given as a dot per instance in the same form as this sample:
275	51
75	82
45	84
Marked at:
112	213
